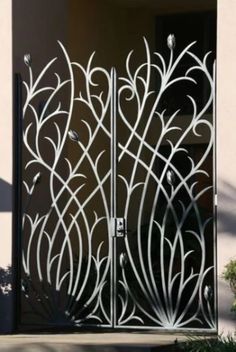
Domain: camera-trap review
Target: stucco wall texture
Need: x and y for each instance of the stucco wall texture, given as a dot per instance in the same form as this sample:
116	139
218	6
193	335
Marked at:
226	153
5	131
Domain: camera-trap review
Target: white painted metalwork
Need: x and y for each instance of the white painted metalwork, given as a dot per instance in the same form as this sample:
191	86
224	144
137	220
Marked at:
137	298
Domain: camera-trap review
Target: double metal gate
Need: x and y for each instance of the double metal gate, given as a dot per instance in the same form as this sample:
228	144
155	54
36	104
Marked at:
117	196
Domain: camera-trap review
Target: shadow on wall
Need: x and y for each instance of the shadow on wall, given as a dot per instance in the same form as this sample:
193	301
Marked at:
227	208
5	298
5	273
5	196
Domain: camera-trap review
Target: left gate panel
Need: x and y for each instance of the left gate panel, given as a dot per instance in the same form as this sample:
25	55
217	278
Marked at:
65	167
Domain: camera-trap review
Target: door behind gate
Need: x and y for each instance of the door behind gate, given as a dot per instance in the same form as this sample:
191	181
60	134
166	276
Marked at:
118	192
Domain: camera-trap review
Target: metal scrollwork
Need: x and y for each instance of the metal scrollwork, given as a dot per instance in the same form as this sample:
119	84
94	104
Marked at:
163	278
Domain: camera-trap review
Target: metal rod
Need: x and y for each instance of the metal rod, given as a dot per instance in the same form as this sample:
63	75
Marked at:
113	193
17	201
215	197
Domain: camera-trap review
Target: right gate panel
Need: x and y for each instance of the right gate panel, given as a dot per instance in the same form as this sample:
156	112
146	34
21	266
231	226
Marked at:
165	260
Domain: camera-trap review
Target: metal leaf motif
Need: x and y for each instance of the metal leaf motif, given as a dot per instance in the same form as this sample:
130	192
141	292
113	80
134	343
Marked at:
37	178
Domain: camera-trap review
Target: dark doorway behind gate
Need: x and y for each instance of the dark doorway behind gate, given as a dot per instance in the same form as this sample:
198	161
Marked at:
117	168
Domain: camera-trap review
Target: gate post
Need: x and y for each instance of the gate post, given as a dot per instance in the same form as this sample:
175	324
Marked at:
226	160
6	151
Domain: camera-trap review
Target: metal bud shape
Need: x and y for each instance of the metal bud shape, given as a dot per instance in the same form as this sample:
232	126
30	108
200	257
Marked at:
27	60
171	42
207	293
37	178
24	288
170	176
123	260
73	136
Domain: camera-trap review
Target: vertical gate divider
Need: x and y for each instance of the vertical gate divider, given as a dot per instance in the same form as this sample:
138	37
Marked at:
215	194
17	200
113	204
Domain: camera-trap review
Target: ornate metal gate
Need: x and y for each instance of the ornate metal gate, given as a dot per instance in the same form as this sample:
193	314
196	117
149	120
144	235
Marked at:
117	198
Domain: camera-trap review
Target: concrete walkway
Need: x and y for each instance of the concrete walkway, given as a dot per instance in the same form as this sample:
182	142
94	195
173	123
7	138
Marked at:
96	342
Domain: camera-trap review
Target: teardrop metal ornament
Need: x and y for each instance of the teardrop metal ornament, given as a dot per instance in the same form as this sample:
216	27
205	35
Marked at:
123	260
27	60
171	41
170	176
73	135
208	293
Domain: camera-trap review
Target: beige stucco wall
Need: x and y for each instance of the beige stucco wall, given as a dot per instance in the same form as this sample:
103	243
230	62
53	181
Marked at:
226	152
6	150
5	130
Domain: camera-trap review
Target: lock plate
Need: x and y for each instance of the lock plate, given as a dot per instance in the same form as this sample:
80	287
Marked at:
119	227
